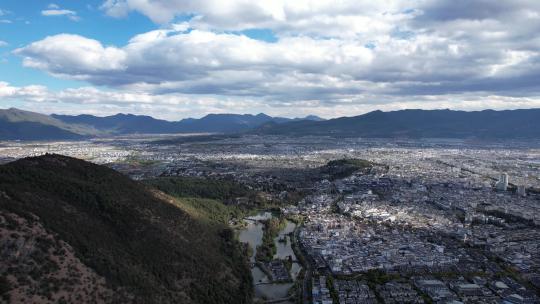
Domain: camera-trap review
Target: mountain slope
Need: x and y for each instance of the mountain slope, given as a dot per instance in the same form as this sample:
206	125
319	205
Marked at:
121	123
17	124
141	243
225	123
211	123
24	125
487	124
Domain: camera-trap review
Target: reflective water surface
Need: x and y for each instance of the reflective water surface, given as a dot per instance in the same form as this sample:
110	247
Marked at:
252	235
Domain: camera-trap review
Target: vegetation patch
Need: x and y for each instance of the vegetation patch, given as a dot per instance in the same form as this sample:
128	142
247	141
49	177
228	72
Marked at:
341	168
271	229
138	241
218	189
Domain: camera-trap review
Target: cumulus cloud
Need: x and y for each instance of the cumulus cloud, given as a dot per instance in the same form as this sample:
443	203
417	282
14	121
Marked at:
322	17
347	54
200	62
204	62
72	56
3	43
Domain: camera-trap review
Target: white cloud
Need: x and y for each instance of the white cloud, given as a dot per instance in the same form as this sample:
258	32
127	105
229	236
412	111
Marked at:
322	17
54	10
93	100
203	62
3	43
295	67
58	13
5	21
72	55
174	106
350	54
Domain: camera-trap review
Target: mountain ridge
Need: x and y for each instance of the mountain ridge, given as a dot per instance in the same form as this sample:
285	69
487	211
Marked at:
211	123
410	123
416	123
16	124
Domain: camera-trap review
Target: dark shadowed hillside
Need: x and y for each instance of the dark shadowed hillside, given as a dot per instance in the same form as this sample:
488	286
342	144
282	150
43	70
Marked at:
76	232
486	124
34	131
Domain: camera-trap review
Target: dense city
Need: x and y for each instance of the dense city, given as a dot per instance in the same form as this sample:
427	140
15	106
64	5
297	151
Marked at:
412	222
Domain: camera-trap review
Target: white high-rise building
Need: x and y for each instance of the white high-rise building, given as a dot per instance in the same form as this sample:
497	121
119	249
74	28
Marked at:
502	184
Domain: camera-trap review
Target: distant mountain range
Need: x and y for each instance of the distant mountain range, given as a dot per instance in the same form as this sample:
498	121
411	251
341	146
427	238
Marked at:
211	123
17	124
487	124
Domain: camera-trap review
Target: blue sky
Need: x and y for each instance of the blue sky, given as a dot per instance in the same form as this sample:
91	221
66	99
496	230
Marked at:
28	25
182	58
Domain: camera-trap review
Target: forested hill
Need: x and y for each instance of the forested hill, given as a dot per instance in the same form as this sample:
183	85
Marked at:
488	124
75	232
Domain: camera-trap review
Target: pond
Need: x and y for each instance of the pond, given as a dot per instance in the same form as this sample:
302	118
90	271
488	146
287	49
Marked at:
252	235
